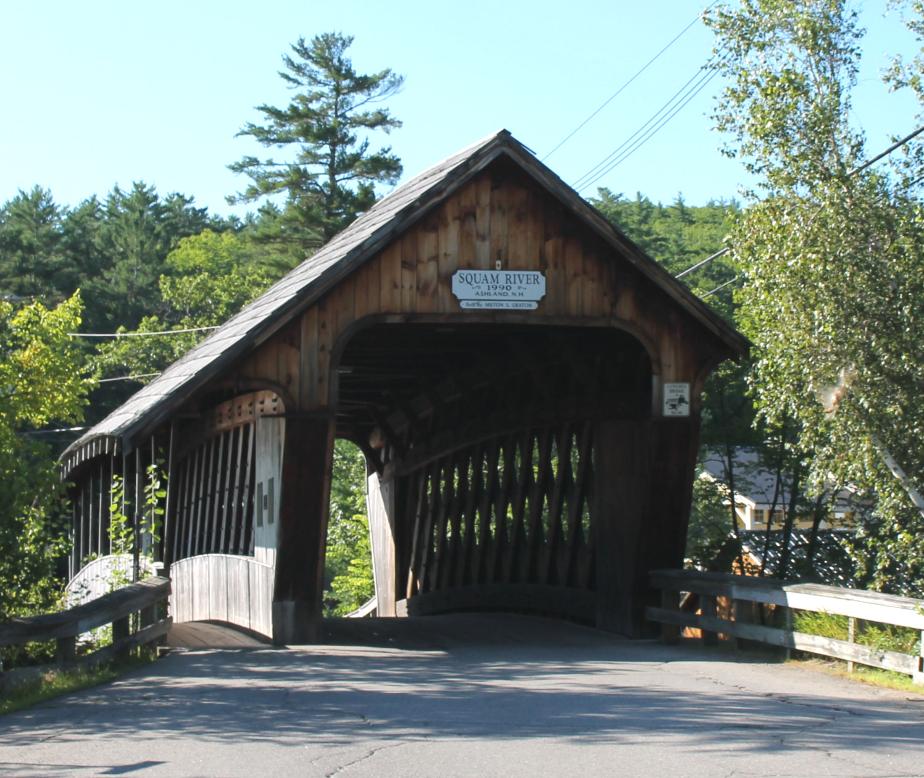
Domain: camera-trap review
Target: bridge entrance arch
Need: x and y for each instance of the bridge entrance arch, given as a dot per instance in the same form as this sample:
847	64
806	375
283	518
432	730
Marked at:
523	380
479	440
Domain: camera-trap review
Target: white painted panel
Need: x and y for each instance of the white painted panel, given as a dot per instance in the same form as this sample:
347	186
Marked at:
380	509
270	433
222	587
101	576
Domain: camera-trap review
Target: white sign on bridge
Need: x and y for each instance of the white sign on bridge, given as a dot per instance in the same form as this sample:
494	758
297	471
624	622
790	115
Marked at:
499	289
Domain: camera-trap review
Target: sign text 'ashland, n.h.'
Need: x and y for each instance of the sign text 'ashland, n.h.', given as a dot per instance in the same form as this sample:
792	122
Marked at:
498	289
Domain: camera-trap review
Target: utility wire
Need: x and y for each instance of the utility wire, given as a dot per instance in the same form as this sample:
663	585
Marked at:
898	144
137	334
127	377
893	147
720	286
619	91
650	128
699	264
51	432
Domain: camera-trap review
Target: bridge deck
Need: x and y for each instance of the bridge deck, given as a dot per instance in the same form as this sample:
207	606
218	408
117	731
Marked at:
469	695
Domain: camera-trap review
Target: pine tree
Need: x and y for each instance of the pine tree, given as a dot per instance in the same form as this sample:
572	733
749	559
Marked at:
333	174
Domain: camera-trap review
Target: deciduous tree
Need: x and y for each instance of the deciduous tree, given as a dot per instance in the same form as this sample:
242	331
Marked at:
833	298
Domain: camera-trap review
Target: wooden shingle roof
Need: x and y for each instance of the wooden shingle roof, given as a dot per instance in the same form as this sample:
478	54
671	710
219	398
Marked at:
390	216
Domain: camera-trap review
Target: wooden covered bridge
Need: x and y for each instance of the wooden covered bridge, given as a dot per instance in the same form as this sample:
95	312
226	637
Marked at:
523	380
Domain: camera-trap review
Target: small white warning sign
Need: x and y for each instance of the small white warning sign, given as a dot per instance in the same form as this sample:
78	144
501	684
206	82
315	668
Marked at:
676	400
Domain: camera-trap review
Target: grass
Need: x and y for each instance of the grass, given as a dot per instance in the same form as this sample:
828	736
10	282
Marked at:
872	676
881	637
55	683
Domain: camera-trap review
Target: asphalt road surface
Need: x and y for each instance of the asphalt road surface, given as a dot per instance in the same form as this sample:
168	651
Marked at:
491	695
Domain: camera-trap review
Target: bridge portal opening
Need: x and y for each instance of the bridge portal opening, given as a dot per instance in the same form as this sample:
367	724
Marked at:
348	582
479	441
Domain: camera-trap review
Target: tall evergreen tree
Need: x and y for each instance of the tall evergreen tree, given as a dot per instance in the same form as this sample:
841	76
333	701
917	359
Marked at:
31	262
326	124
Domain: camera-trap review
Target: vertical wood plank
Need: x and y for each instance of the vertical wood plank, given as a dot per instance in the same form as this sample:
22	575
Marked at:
427	539
389	263
380	508
500	232
483	570
428	249
218	504
467	572
483	227
240	434
419	501
409	281
574	274
245	538
579	544
535	538
499	564
552	573
193	539
327	323
303	510
515	550
308	362
448	262
618	513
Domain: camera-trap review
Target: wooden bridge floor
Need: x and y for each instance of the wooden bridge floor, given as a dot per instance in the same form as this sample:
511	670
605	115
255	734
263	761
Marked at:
469	696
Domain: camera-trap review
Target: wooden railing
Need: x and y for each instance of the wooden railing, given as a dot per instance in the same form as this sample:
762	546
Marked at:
147	598
745	595
223	587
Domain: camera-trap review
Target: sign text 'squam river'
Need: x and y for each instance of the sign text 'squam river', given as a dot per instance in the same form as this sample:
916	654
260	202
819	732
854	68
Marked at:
499	289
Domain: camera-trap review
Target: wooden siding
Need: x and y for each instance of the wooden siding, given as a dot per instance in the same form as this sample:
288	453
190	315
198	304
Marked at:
498	216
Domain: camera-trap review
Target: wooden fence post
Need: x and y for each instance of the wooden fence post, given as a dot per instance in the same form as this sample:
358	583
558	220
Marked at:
851	638
120	632
918	677
743	612
710	610
670	633
66	650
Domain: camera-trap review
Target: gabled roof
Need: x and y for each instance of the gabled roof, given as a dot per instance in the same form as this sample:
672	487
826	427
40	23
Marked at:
347	250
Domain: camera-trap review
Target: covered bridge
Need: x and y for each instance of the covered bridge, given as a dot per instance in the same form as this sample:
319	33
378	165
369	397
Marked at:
524	382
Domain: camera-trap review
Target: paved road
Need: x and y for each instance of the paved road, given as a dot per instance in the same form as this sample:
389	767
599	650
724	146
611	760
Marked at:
526	698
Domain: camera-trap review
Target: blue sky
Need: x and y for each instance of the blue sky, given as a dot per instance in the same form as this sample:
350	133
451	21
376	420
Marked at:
98	93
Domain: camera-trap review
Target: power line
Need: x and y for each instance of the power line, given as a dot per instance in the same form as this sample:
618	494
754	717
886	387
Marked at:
137	334
651	119
615	94
699	264
55	431
893	147
720	286
127	377
898	144
650	128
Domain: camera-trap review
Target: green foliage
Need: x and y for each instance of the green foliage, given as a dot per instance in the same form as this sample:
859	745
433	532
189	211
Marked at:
880	637
678	236
709	524
348	568
31	259
333	173
208	278
834	293
42	381
121	526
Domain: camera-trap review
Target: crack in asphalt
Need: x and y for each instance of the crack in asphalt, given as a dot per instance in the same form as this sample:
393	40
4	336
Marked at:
368	755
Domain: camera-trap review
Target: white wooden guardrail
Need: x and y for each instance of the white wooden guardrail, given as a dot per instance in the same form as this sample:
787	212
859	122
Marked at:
746	592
